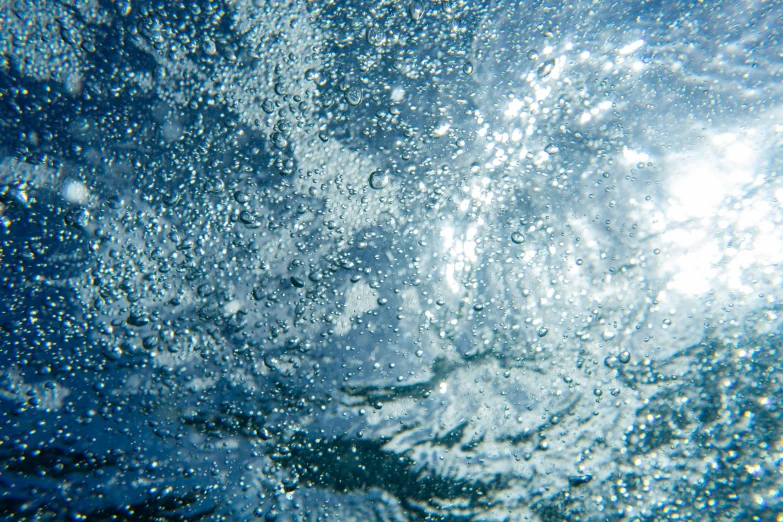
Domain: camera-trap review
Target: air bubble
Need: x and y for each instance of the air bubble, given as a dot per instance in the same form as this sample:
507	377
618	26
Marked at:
379	180
546	68
123	7
354	95
416	10
375	37
517	237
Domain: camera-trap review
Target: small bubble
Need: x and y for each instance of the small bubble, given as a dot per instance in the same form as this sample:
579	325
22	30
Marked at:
123	7
546	68
532	55
15	194
150	342
375	37
248	218
416	10
624	357
159	73
354	95
379	179
578	480
543	331
209	47
77	218
279	140
467	68
517	237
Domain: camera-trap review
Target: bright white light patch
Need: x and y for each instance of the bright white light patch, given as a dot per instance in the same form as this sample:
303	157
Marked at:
706	178
631	47
443	129
695	272
515	106
232	307
634	157
542	92
75	192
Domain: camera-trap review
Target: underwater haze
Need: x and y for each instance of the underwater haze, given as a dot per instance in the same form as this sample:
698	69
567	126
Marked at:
364	260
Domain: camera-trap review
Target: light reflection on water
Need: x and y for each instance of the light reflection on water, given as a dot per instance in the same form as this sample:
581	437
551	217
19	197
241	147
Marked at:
563	297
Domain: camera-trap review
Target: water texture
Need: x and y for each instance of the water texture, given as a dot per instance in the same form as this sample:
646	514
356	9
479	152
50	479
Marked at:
391	261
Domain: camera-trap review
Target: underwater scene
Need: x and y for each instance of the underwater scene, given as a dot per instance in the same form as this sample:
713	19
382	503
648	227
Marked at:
372	260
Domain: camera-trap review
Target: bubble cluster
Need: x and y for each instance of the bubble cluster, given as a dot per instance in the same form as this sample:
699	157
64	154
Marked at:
298	261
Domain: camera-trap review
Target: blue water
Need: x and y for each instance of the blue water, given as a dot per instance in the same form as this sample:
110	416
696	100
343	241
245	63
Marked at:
390	261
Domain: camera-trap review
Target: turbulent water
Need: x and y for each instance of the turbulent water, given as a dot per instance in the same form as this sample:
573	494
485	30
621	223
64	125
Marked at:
395	261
